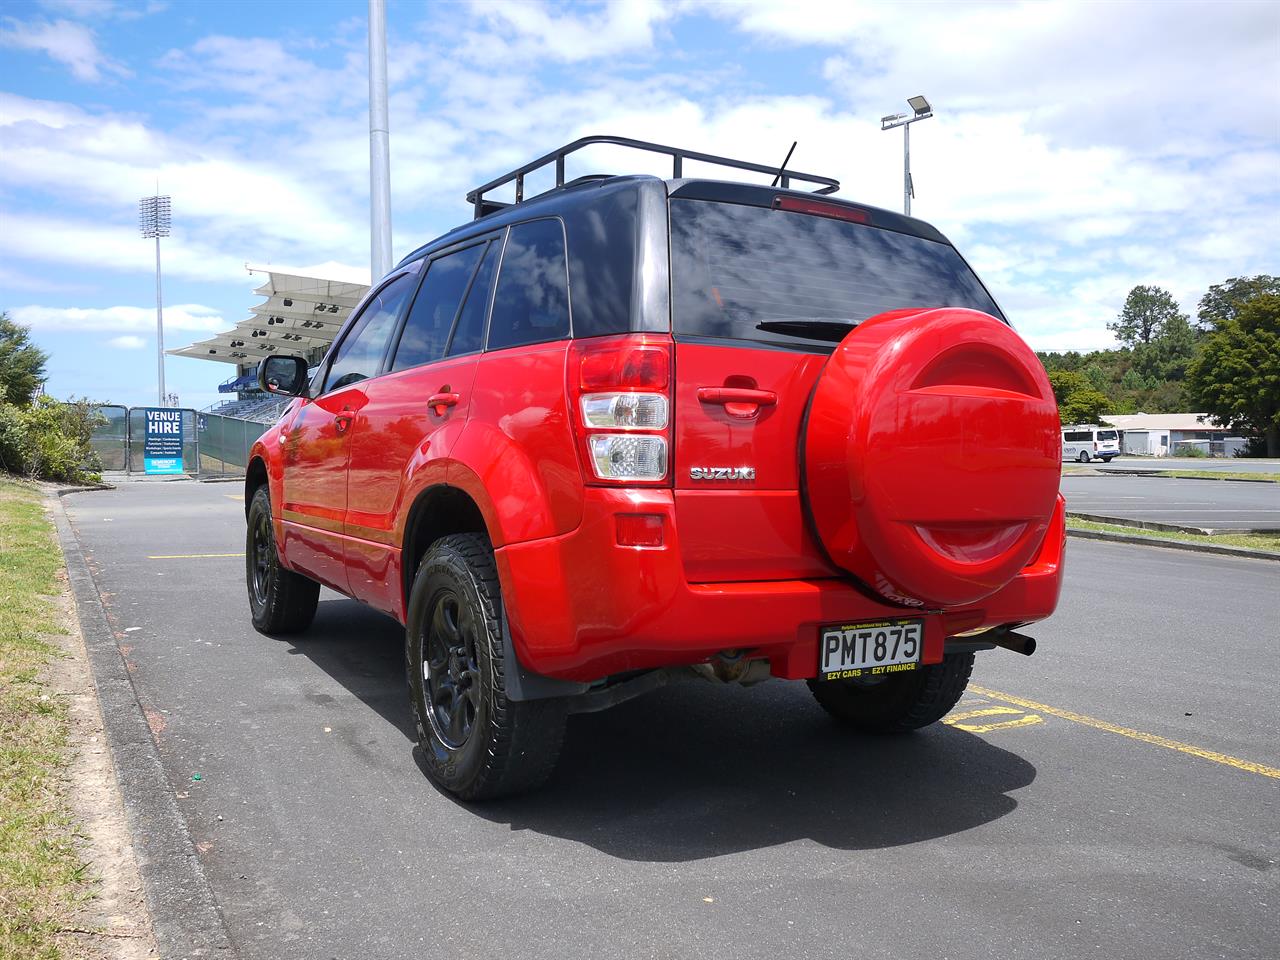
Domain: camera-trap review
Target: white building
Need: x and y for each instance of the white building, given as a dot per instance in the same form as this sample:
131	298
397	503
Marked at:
1168	434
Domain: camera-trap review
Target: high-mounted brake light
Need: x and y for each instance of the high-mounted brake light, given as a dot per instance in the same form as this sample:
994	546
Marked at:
817	208
623	384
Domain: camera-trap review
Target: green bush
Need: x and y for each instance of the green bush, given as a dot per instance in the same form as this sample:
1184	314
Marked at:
49	440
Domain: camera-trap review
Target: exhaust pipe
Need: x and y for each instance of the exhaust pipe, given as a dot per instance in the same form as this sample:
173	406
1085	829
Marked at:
1003	637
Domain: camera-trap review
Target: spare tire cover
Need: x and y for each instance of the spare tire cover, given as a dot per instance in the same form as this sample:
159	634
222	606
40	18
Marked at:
932	455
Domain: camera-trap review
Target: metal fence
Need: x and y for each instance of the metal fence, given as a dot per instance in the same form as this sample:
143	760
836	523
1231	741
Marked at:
212	445
225	443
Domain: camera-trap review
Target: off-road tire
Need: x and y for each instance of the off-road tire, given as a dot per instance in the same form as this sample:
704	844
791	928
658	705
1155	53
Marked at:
280	600
511	746
899	702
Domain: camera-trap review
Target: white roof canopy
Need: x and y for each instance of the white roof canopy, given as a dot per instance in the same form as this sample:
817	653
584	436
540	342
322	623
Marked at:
299	314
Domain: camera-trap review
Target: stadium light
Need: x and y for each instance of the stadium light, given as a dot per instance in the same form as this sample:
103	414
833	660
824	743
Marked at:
154	221
922	110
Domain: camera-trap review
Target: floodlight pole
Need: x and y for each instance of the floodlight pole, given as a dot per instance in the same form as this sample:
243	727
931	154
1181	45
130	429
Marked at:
379	148
159	328
154	219
922	112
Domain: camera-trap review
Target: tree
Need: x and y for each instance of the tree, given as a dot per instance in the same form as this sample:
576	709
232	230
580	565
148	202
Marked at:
1078	401
1236	374
21	363
1147	310
1224	300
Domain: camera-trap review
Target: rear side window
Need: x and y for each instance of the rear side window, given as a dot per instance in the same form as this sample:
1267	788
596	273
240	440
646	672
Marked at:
426	331
359	356
734	266
468	335
531	304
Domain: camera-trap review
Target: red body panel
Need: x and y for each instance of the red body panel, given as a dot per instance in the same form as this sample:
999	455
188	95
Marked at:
315	454
396	437
630	608
733	529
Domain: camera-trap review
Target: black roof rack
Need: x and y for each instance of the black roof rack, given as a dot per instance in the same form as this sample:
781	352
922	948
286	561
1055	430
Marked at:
678	155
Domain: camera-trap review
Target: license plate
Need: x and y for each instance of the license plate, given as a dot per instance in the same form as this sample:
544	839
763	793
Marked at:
869	649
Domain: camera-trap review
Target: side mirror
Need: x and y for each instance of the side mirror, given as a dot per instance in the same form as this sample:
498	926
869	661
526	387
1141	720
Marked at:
283	376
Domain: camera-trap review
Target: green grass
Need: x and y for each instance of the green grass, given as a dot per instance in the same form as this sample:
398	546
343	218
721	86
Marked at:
1254	541
1218	475
41	875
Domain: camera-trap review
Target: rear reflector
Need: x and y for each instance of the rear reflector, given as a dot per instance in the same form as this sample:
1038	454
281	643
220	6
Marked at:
639	529
819	209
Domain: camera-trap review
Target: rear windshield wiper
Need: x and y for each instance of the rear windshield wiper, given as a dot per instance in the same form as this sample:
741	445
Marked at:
812	328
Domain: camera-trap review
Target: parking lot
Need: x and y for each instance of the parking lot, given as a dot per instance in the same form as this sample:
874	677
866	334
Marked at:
1116	795
1207	504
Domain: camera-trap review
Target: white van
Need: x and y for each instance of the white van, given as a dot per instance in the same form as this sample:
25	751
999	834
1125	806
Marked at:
1088	442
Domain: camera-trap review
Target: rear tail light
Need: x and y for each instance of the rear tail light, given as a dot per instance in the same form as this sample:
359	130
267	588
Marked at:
625	411
622	406
625	456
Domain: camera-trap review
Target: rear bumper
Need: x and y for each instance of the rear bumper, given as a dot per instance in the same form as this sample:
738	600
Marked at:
581	607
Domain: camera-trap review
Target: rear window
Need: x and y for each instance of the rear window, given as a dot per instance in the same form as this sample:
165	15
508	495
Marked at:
532	301
1108	435
735	266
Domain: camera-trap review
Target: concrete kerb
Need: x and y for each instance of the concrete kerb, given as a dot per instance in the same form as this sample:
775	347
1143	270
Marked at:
185	914
1156	474
1175	544
1162	527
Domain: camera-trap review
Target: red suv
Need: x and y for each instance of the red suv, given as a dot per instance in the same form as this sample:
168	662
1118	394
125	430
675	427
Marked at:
632	430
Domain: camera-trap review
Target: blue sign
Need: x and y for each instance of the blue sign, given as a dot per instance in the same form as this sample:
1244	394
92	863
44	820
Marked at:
162	442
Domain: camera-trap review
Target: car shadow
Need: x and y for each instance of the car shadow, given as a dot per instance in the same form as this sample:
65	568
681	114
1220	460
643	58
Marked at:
362	650
700	770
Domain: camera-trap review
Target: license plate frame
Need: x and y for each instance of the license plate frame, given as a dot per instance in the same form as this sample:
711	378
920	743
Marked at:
853	654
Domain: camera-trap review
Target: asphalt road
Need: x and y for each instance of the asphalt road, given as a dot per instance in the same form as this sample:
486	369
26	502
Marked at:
1210	504
717	822
1217	465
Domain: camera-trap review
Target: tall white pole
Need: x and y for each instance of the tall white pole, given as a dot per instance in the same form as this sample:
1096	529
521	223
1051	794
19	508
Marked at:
906	169
159	328
379	147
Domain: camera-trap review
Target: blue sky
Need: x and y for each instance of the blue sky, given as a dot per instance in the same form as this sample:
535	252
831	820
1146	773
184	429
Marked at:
1077	150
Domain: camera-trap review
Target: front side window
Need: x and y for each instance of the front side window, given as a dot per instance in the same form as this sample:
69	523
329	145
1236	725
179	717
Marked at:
426	331
359	355
531	304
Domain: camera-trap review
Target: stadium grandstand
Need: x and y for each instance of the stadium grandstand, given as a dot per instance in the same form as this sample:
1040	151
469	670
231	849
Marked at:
300	315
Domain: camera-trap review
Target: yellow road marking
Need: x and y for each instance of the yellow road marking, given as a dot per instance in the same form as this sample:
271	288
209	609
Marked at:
985	712
1026	720
234	496
194	556
1159	741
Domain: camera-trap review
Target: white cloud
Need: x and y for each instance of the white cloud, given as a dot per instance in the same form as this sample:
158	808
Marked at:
127	342
71	44
521	30
182	316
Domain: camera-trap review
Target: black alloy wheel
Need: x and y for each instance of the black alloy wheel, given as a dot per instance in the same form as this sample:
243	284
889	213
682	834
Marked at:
475	741
280	601
451	675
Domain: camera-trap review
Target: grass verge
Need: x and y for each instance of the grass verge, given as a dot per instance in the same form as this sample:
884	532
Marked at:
1218	475
40	872
1254	541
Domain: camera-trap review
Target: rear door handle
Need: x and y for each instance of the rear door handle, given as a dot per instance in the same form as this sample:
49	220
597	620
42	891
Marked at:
442	401
740	402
